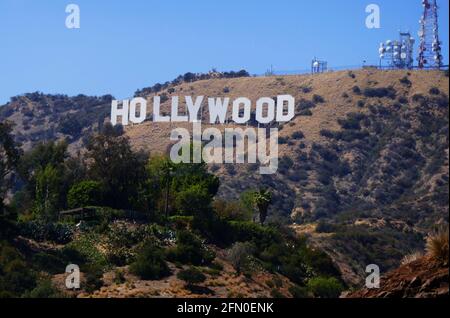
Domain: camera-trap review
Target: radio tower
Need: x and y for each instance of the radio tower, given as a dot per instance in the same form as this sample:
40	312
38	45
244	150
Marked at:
430	45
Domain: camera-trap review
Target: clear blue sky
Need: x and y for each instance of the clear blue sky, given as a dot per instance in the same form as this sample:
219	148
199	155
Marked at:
126	45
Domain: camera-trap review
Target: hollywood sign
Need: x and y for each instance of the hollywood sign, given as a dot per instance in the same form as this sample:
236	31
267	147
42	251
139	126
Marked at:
262	145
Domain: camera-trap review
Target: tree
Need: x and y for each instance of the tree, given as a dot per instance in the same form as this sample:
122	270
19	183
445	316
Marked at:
48	195
263	199
117	167
186	188
9	158
43	155
48	174
85	193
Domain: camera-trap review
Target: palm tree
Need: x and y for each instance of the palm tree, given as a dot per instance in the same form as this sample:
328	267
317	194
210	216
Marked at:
263	199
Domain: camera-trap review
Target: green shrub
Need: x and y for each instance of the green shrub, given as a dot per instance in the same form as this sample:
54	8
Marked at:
94	277
283	140
405	81
86	246
298	135
84	194
191	276
60	233
299	292
239	255
190	250
317	99
356	90
380	92
150	263
15	275
305	104
119	277
44	290
253	232
181	221
434	91
323	287
305	112
49	263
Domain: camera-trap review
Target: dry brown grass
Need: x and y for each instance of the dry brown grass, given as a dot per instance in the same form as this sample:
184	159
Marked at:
437	245
408	259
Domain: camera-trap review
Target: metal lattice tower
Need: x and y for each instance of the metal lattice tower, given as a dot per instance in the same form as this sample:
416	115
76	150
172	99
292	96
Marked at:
430	46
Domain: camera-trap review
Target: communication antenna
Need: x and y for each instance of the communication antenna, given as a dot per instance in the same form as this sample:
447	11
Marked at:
398	53
430	46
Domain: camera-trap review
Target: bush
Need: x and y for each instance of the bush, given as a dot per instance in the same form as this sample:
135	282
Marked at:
150	263
15	276
239	255
317	99
85	193
380	92
305	89
305	112
403	100
191	276
48	263
190	250
305	104
437	245
323	287
299	292
356	90
298	135
253	232
405	81
119	277
86	247
59	233
44	290
418	98
94	277
434	91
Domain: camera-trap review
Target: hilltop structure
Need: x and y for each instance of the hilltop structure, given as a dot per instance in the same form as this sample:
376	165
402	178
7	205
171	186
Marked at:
430	45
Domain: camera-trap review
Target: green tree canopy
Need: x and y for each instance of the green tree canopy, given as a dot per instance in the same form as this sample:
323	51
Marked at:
120	170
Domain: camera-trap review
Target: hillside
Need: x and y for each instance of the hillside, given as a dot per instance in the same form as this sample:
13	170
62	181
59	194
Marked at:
365	161
364	164
39	117
422	278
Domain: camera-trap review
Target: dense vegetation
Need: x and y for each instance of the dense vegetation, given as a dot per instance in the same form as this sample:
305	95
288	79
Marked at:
142	212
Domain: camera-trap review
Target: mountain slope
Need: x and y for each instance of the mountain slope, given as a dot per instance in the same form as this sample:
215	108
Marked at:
363	166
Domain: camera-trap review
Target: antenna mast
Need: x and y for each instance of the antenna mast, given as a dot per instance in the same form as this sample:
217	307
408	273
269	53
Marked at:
430	46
